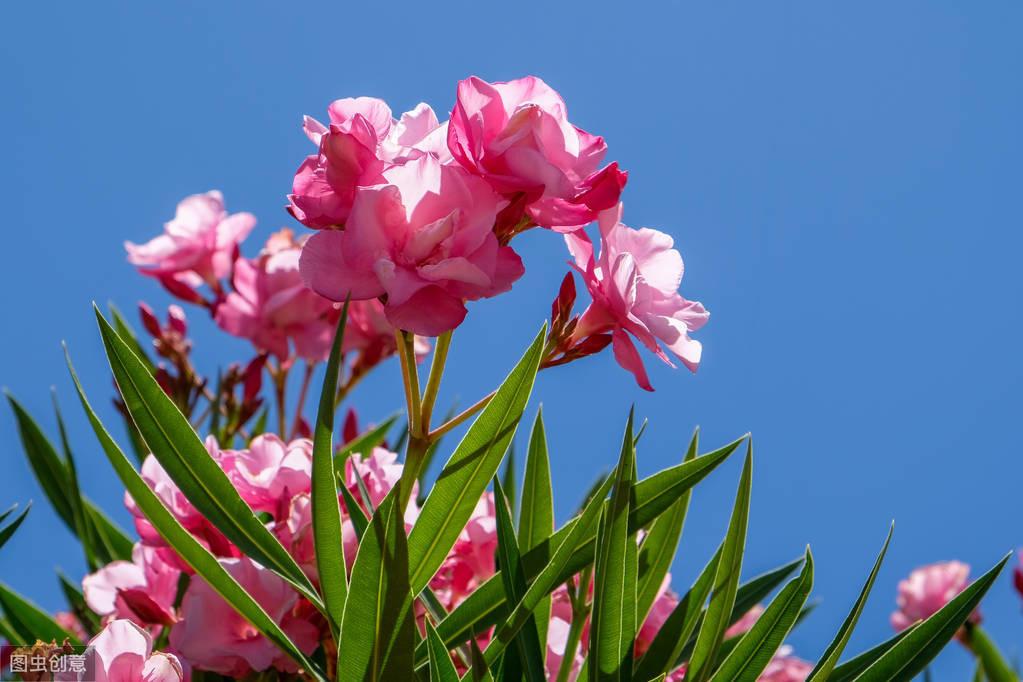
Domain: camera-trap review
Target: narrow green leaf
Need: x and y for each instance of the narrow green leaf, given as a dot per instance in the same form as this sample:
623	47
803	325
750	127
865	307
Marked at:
326	512
536	515
378	629
548	579
660	544
127	332
754	649
112	538
726	581
358	517
469	470
29	621
529	647
46	464
994	665
183	456
679	626
654	495
478	670
854	666
187	547
613	615
912	654
508	479
7	531
829	659
442	668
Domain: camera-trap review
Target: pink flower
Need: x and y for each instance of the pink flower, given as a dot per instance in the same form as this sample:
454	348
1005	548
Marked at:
929	588
517	136
270	472
271	306
471	560
353	151
141	590
187	515
380	471
124	653
424	240
664	603
634	286
784	667
199	245
212	636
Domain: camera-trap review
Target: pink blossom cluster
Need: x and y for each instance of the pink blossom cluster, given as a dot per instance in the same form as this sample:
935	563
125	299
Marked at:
420	214
927	589
414	218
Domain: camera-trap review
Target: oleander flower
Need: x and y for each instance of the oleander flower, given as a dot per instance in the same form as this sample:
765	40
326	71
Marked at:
929	588
199	245
270	471
213	636
370	334
424	241
634	286
517	136
784	667
141	590
359	143
471	560
157	478
271	306
124	653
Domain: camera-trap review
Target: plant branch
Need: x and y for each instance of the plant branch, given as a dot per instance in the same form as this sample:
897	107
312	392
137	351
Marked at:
440	358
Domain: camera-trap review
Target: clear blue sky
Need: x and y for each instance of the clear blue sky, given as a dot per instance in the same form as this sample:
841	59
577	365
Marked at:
843	182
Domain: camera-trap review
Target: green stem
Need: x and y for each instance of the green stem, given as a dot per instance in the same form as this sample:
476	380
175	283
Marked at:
996	668
461	417
280	378
415	456
575	629
440	357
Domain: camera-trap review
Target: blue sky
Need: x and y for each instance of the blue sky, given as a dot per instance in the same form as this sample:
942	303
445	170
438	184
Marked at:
842	180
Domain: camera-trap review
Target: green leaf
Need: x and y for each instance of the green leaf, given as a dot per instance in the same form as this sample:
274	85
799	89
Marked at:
358	517
127	332
994	665
114	541
653	495
660	545
726	581
529	647
853	667
829	659
378	629
536	515
466	475
666	647
508	478
478	670
442	669
912	654
29	621
183	456
7	531
548	579
187	547
48	467
613	615
326	512
754	649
